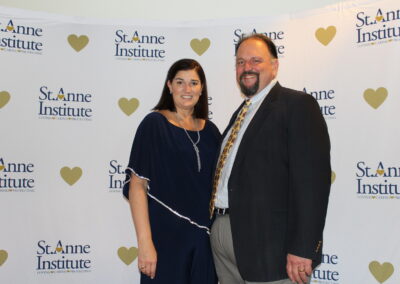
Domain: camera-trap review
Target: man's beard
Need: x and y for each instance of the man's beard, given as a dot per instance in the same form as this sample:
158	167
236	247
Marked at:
252	90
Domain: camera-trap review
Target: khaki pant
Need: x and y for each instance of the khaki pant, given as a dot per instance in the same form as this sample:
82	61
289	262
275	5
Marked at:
224	256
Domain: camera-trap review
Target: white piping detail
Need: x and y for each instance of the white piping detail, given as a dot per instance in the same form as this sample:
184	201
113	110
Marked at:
179	215
165	205
136	174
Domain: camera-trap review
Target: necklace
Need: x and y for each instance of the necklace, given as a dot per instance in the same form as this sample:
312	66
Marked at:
196	149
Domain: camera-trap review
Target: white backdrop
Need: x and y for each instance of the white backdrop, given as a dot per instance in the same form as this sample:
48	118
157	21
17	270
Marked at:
70	105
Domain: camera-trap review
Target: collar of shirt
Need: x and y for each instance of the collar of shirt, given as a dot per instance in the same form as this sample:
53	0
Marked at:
256	99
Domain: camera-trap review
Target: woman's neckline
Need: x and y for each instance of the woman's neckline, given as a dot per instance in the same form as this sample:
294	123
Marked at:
170	123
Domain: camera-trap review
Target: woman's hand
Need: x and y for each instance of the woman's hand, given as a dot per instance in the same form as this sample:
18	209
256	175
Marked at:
147	258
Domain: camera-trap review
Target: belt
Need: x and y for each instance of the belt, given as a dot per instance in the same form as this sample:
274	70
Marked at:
221	211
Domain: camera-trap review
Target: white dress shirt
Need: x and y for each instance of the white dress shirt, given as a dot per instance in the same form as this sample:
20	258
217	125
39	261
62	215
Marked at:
221	200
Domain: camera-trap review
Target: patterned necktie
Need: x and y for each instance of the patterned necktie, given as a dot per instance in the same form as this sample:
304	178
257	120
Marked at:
228	146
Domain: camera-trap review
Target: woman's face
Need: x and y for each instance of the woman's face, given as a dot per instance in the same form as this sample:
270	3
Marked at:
186	89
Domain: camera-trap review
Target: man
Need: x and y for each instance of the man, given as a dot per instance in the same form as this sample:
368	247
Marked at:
272	179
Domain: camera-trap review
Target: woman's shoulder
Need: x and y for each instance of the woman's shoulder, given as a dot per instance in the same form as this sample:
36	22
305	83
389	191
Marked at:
210	123
152	121
152	118
213	128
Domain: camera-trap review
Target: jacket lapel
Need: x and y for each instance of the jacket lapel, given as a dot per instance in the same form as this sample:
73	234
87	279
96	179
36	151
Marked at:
233	118
257	121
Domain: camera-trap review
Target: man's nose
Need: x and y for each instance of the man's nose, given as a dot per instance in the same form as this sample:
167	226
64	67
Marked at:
247	65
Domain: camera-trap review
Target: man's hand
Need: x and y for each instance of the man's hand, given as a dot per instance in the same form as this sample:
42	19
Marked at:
298	268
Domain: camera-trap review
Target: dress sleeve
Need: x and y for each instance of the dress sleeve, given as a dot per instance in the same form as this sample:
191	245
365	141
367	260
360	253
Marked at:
140	159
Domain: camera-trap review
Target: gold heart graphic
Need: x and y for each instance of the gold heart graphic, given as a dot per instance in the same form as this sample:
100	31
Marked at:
380	172
78	43
71	176
375	98
381	272
325	36
3	257
200	46
128	106
60	97
127	255
10	28
135	38
1	167
379	18
333	177
4	98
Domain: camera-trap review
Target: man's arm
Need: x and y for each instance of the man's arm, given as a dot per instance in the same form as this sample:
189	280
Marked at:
309	172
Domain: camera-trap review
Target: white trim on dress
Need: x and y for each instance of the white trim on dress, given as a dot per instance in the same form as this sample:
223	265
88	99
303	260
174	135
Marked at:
162	203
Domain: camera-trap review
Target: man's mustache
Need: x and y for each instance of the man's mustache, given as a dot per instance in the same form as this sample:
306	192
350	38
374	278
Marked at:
249	73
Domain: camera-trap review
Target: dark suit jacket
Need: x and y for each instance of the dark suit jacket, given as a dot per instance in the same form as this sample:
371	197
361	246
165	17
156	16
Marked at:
279	185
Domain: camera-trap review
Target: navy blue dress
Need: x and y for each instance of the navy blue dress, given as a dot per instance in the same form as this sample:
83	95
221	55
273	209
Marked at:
178	197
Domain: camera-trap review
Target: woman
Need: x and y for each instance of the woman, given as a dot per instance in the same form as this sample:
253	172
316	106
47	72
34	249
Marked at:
169	179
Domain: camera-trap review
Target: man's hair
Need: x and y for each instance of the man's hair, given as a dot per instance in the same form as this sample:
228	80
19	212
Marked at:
270	44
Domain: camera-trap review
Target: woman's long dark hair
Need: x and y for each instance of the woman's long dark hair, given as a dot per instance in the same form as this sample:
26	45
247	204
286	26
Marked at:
166	101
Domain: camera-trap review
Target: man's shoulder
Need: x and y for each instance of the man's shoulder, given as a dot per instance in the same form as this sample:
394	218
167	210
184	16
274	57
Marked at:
293	95
288	92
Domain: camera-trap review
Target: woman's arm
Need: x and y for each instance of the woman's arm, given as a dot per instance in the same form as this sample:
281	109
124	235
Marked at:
147	255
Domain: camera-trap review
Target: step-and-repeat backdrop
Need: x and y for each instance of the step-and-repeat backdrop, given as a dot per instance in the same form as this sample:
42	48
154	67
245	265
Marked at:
72	92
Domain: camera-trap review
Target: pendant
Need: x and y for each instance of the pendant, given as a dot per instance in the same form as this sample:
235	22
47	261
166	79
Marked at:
196	149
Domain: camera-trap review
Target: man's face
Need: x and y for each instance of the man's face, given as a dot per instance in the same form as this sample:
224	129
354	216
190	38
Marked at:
255	67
